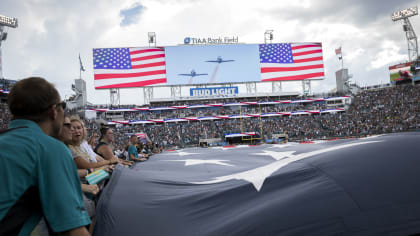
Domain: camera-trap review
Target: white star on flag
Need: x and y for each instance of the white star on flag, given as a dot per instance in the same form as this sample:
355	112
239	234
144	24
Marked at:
283	145
258	175
277	155
191	162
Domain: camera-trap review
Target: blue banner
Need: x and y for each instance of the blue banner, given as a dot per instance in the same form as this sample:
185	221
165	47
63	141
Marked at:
214	91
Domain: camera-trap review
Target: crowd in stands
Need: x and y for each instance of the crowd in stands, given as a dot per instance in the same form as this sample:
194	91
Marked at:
4	116
6	85
375	111
226	110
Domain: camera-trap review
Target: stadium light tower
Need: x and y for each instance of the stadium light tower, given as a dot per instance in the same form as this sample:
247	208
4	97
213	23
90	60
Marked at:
5	21
408	29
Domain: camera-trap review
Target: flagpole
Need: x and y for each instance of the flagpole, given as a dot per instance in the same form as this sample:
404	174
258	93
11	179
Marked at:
80	68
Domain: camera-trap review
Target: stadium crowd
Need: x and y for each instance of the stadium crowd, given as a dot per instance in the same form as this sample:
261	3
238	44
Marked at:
375	111
6	85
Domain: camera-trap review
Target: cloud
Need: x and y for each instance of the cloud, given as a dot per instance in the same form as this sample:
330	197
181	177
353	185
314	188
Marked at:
390	53
52	33
131	15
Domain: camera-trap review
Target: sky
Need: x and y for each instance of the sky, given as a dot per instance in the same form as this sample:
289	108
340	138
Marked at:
52	33
182	60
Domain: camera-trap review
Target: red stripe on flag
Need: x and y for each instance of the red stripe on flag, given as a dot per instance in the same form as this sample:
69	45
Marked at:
145	50
148	57
306	53
128	75
296	77
278	69
134	84
308	59
306	46
162	63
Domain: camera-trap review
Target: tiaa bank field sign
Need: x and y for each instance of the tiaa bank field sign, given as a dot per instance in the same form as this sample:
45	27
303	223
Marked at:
216	91
219	40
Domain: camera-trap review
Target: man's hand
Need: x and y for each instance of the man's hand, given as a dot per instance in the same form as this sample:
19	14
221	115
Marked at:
109	168
93	189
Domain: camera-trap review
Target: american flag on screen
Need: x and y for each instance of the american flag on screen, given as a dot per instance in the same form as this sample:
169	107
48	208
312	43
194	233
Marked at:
291	61
128	67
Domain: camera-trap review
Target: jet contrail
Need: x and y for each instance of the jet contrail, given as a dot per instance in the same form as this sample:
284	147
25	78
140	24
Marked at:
213	76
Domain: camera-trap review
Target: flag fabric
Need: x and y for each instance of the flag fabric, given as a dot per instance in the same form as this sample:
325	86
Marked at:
81	65
338	51
291	61
366	186
128	67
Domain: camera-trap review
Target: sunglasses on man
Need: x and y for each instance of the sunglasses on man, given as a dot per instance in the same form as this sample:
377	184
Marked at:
63	104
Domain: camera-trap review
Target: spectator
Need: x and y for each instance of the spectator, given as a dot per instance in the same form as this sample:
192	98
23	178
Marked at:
38	176
104	148
132	150
81	156
93	190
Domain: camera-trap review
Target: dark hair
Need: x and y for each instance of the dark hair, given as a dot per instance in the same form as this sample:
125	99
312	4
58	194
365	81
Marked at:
133	135
31	98
103	131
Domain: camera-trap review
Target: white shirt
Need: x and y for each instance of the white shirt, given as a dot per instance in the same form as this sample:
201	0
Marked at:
88	149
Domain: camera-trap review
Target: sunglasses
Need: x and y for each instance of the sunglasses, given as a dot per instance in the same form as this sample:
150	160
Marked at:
63	104
68	125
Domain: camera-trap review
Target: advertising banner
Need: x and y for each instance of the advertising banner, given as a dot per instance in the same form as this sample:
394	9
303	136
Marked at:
215	91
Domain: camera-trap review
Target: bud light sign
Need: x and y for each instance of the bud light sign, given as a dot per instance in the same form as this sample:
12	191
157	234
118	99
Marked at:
216	91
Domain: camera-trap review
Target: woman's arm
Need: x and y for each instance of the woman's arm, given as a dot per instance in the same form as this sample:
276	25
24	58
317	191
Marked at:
107	153
83	164
92	139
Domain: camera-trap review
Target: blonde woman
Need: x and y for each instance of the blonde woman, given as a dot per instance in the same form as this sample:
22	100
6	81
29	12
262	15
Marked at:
66	136
81	156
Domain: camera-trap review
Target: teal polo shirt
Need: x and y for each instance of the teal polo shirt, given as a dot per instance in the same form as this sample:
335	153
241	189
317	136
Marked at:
132	150
32	160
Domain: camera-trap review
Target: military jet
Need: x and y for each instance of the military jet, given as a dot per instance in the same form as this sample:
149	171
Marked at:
220	60
192	75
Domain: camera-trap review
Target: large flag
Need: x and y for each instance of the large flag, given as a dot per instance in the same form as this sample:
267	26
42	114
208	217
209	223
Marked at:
128	67
338	51
291	61
367	186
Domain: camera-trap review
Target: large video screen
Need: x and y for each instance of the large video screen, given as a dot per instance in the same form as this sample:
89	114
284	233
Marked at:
206	64
399	71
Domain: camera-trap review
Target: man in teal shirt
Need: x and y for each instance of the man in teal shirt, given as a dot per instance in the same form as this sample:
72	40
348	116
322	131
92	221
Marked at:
38	175
132	150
